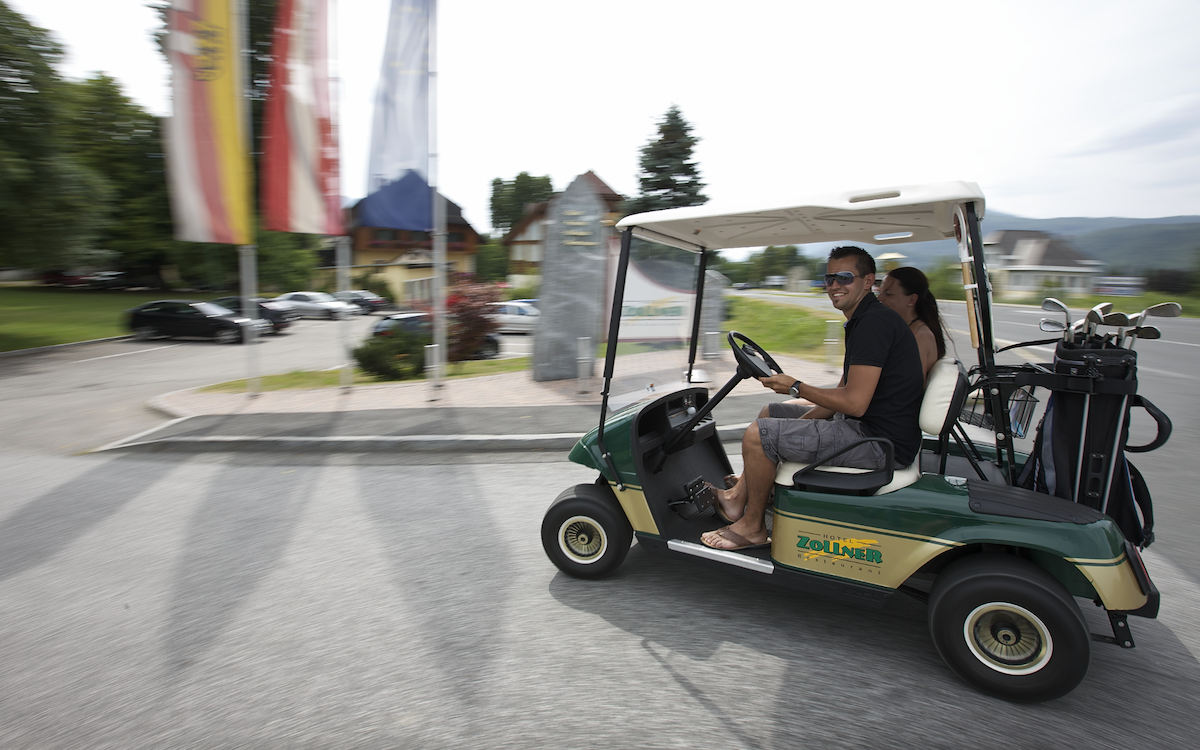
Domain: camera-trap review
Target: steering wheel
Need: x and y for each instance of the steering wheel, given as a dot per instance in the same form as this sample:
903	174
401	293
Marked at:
753	361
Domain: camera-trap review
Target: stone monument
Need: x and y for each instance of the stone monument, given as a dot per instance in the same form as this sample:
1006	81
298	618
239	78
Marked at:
571	297
712	314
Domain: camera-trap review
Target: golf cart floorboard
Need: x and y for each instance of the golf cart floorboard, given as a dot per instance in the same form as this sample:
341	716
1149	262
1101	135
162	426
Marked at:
683	541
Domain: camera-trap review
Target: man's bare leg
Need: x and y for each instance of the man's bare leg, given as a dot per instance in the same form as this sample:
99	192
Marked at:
758	477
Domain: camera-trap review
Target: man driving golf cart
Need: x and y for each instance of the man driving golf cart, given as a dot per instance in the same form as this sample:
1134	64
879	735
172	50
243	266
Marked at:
879	397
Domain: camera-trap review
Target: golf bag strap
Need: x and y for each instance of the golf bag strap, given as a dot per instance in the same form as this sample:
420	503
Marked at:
1039	342
1141	494
1161	419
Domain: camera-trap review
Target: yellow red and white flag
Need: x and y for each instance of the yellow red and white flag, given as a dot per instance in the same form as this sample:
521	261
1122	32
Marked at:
300	153
207	137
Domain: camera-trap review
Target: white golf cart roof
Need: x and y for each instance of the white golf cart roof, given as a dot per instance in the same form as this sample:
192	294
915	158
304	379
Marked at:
881	216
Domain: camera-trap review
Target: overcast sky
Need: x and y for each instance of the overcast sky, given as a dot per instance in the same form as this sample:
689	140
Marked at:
1056	108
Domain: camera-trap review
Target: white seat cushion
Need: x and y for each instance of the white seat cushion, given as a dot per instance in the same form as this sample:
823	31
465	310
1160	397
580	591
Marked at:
939	392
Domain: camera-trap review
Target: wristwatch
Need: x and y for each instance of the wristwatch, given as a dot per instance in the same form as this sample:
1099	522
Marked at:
794	391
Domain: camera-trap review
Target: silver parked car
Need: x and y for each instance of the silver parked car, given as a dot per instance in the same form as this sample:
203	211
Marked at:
317	305
514	317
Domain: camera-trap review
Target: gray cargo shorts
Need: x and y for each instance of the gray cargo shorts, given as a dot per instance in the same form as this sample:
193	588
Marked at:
803	440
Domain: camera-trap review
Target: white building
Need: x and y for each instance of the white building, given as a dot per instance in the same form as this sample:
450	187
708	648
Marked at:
1025	263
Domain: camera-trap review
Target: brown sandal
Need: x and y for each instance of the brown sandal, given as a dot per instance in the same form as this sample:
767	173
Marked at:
742	542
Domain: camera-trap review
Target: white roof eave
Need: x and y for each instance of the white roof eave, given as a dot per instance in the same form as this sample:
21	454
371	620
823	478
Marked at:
882	216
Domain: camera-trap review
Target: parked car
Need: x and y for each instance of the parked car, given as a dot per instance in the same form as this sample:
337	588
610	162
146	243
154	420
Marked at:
422	323
317	305
62	278
190	319
280	315
367	301
106	280
533	302
514	317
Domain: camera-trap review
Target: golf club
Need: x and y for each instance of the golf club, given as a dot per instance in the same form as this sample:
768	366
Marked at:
1050	304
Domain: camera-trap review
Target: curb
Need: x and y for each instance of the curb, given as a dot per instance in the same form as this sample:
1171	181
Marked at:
562	441
53	347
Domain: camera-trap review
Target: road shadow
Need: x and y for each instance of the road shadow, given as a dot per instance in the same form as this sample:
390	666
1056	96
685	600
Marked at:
235	538
879	666
53	521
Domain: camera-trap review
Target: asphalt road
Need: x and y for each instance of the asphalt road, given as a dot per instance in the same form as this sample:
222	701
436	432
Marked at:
1168	374
333	601
318	602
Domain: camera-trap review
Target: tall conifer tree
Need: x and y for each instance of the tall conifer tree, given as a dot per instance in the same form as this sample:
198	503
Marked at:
669	177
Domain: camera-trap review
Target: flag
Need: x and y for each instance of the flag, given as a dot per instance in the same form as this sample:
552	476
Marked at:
400	132
207	140
300	159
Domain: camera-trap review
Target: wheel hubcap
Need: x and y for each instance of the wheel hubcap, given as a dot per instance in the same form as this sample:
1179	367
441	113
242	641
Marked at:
1008	638
582	539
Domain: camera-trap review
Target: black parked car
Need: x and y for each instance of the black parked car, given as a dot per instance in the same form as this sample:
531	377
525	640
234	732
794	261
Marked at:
422	323
367	302
190	319
279	314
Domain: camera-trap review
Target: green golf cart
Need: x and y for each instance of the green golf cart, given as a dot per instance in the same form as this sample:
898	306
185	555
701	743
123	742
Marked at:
1000	566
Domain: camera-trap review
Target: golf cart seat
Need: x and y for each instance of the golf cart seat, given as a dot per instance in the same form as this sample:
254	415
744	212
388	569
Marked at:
945	392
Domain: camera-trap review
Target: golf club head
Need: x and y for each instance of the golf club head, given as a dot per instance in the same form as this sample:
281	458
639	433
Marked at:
1051	326
1164	310
1092	319
1119	319
1051	304
1104	308
1143	332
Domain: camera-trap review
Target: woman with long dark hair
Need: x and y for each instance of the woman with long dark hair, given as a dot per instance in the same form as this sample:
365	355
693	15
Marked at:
906	290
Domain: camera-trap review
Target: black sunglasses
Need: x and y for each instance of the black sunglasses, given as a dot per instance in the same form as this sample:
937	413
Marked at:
845	278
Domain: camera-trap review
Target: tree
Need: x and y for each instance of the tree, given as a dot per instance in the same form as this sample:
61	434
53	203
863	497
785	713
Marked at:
509	199
775	261
467	306
112	136
51	206
669	178
491	261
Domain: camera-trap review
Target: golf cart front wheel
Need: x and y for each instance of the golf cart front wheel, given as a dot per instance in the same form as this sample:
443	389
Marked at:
1009	628
585	532
227	336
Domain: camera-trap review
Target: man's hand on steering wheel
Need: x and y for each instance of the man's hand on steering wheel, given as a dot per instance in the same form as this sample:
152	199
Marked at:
780	383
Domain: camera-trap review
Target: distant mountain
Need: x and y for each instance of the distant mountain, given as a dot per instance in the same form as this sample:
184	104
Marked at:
1073	225
1129	245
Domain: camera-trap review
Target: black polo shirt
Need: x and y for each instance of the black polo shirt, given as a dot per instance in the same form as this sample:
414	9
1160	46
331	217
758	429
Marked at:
877	336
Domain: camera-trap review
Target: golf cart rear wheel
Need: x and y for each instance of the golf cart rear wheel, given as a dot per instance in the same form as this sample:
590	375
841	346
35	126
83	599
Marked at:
585	532
1009	628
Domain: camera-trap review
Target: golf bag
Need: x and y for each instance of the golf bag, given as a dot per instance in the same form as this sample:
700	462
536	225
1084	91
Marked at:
1079	451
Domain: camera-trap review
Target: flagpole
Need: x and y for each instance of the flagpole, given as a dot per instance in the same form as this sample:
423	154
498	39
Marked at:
248	254
344	251
439	213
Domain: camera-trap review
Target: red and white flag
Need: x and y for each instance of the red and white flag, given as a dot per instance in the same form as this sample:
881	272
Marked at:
207	144
300	153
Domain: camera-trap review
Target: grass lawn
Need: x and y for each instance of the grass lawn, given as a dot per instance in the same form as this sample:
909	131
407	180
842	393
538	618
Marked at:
1130	305
332	379
43	316
779	328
